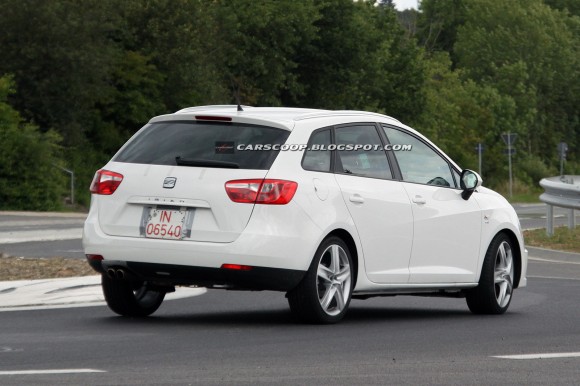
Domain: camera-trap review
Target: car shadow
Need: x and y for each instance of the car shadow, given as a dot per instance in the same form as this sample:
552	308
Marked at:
283	317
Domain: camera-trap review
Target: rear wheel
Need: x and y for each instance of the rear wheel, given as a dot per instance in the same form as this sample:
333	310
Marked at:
130	298
323	296
494	292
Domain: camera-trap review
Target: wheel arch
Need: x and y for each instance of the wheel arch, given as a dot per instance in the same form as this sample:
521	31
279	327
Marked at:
517	255
345	236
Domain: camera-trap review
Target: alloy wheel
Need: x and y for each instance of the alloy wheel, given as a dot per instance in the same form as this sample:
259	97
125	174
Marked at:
333	280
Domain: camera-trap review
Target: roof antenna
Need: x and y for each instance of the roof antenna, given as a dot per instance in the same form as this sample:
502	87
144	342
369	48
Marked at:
236	92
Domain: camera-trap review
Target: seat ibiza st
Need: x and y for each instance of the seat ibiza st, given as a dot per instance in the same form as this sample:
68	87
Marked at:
325	206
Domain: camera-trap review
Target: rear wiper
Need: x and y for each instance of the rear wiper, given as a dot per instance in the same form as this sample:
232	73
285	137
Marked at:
206	162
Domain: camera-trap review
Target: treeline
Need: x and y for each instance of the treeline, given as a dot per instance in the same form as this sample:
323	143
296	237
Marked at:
77	78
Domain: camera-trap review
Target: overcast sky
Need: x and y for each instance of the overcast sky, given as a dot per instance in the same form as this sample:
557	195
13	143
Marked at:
405	4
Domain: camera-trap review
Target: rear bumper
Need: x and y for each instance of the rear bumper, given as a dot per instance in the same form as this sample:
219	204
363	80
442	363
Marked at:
279	248
167	275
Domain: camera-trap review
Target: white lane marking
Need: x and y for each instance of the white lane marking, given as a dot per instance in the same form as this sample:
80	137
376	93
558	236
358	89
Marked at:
553	277
85	291
553	261
40	235
52	306
532	250
540	356
542	217
42	214
60	371
37	222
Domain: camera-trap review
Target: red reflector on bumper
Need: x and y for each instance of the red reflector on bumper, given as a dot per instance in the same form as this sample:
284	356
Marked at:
236	267
95	257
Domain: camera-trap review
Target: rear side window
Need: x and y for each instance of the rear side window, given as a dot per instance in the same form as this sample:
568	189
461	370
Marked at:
369	160
206	144
317	156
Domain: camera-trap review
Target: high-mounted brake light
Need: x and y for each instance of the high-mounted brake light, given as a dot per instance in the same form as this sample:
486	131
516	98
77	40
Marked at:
261	191
106	182
212	118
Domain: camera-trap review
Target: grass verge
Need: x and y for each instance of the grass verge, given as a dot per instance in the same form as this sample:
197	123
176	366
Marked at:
22	268
564	239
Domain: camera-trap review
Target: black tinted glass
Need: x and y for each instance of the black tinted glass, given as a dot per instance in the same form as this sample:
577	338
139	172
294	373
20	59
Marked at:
369	159
421	164
317	158
160	143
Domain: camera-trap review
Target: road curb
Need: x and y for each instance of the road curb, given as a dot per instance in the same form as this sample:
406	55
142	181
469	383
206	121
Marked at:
83	291
552	253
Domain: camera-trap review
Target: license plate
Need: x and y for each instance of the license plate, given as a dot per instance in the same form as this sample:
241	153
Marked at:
166	224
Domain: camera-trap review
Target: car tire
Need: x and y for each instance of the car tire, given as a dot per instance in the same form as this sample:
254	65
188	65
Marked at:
130	298
324	294
494	291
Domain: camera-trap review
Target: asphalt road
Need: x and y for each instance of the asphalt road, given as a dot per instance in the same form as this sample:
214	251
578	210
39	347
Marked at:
61	248
242	338
533	216
41	234
238	338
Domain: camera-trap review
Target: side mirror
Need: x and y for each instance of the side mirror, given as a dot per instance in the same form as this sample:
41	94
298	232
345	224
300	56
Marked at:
469	181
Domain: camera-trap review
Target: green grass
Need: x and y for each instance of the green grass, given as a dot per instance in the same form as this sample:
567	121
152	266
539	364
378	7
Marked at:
522	193
564	239
524	198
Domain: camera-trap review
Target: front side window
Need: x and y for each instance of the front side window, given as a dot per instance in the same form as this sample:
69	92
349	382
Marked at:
369	158
421	164
231	145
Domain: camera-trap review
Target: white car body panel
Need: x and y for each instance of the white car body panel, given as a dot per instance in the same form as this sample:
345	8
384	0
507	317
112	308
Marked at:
384	222
401	247
447	229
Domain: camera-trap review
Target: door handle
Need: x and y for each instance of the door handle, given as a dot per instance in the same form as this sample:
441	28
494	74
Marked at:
419	200
356	198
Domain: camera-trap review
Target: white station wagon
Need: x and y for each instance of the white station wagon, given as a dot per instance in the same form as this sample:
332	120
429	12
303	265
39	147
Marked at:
325	206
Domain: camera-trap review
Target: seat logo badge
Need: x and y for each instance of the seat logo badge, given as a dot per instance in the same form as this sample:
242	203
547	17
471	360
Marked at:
169	182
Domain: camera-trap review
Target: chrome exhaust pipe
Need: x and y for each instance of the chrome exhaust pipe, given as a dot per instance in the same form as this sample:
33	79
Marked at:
120	274
111	273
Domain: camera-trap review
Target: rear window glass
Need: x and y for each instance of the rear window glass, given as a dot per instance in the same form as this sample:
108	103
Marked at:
161	143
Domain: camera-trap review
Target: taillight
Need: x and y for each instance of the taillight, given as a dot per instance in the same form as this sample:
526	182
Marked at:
258	191
106	182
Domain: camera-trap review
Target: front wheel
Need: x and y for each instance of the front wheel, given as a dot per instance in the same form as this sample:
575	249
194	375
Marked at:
130	298
323	296
494	292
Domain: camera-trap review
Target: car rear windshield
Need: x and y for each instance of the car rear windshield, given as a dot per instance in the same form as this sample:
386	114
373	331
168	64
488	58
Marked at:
203	144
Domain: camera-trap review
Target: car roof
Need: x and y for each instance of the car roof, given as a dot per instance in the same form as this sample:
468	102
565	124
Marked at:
283	117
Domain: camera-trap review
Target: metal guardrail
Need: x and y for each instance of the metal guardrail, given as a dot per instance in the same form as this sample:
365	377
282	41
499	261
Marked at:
563	192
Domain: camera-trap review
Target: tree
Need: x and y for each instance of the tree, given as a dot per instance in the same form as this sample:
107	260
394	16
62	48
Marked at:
260	44
531	52
29	178
60	56
360	59
438	23
459	114
572	6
